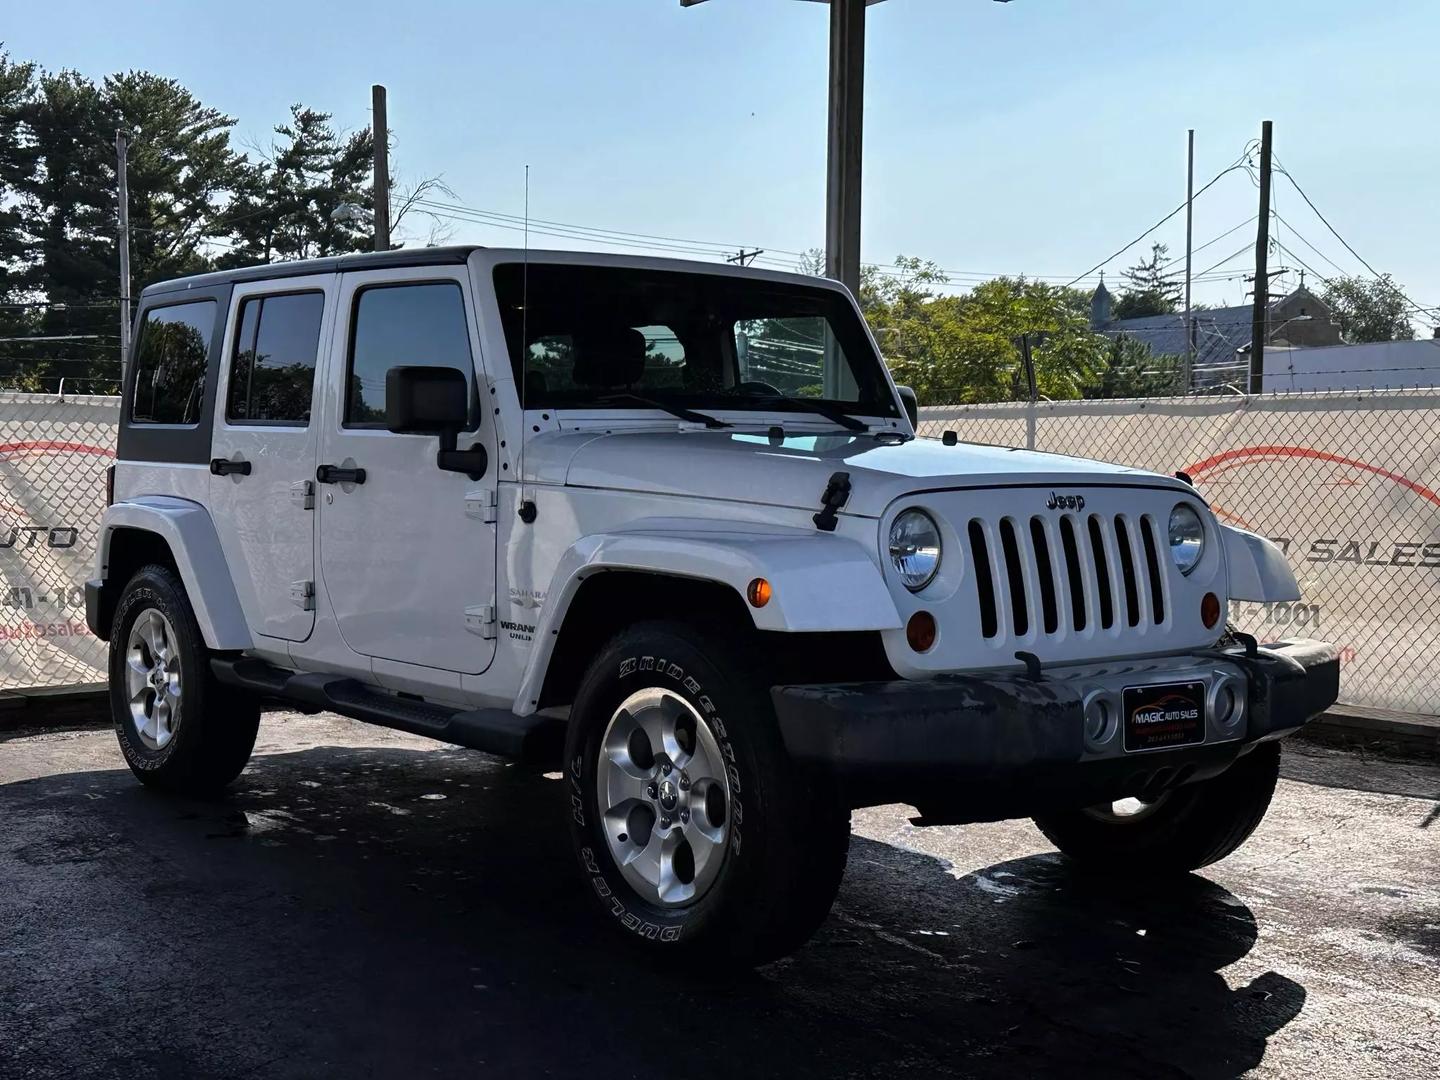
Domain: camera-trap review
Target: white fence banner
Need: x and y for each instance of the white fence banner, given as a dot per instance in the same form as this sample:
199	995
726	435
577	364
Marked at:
53	456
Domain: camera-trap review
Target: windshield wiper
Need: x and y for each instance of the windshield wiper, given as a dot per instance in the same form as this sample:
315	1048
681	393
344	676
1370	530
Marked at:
830	412
689	415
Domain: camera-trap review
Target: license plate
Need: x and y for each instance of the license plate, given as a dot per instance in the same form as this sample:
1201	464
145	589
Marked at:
1157	717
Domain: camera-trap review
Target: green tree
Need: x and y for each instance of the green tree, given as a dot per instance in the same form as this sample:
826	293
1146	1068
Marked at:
285	202
955	349
1132	369
1369	309
1148	289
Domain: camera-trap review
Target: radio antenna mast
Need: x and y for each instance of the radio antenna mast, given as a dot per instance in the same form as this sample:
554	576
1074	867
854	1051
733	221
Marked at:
527	506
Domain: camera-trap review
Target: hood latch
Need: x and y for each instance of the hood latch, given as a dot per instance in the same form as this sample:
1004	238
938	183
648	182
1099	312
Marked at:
837	494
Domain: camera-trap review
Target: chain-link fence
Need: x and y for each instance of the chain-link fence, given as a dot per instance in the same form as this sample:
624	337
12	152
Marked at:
53	453
1345	482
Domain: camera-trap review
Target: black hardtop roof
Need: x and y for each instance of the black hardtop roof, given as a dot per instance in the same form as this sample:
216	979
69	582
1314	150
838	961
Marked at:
369	260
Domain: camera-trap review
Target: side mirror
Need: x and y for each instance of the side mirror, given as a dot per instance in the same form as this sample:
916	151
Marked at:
911	403
434	401
426	400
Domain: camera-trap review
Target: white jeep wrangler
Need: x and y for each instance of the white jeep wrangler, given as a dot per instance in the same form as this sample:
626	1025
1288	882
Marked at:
673	518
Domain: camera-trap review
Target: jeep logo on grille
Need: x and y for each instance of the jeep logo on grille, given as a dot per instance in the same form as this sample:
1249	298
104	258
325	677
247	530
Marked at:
1065	502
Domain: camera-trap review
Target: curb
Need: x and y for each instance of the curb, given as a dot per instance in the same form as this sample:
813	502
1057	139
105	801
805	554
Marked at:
84	703
1352	727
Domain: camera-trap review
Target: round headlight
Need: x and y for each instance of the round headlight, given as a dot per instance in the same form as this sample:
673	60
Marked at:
915	548
1187	537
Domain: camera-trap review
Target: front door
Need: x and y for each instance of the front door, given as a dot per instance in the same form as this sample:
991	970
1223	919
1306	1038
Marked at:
407	555
263	448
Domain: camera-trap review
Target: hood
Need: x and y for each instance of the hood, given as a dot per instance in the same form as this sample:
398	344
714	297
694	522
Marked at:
793	471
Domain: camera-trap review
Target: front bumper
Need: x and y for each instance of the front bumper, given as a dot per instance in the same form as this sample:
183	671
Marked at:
989	747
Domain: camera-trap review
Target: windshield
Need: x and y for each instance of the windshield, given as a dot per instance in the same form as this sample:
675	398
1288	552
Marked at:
704	341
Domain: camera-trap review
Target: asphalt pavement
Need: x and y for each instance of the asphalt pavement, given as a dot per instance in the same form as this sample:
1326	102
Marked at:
368	904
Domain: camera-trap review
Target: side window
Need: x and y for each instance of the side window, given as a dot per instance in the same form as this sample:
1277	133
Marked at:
170	363
272	369
399	325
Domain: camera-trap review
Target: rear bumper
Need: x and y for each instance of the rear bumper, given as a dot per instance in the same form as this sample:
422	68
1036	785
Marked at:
969	748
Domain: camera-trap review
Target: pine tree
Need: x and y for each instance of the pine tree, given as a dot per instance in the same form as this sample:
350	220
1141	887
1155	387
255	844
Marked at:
1149	290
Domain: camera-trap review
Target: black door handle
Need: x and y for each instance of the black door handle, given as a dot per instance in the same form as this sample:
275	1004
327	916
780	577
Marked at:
224	467
334	474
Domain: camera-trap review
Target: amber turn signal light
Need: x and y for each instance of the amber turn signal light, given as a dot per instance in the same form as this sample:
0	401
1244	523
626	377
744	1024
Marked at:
759	592
1210	610
920	631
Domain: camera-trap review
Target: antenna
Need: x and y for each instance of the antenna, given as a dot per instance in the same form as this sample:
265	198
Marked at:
527	506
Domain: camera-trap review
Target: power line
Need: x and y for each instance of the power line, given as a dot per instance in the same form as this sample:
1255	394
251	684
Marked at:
1157	225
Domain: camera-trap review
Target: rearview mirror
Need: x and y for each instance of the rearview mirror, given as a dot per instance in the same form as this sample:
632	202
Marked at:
434	401
426	400
911	403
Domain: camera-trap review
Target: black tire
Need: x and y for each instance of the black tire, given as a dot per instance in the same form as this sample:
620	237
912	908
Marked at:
784	853
214	729
1192	826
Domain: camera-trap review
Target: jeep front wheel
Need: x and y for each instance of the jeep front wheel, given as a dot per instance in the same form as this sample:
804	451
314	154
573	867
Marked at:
178	728
693	828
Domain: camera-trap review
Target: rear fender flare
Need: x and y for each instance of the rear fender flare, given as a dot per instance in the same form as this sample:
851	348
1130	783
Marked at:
187	530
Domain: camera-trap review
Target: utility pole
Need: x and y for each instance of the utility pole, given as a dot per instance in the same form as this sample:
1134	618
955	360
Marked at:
1189	234
1262	276
743	257
122	148
381	131
842	169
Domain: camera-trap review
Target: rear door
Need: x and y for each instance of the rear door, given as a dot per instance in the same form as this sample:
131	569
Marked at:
262	483
407	555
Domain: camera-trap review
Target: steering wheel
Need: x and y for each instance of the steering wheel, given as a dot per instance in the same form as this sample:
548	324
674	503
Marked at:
755	386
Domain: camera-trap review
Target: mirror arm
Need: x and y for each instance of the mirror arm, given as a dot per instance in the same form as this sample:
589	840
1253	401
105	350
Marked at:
472	462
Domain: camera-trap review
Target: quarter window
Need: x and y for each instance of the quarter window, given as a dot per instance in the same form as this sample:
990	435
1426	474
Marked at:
398	326
170	363
272	372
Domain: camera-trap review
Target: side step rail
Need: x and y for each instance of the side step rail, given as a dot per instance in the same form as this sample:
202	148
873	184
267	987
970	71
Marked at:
495	731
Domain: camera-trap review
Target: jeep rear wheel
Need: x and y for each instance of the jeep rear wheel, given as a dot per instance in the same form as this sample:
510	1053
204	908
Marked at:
694	829
178	728
1182	830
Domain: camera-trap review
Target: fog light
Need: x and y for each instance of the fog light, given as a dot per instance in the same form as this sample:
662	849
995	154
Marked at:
759	592
1210	610
920	631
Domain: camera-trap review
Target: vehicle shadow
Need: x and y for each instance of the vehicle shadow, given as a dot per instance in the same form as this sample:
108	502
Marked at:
378	912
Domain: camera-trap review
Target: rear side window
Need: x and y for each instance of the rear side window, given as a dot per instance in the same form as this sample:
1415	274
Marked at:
272	370
170	363
396	326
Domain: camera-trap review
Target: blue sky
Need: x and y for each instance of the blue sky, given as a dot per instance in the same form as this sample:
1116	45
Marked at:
1030	137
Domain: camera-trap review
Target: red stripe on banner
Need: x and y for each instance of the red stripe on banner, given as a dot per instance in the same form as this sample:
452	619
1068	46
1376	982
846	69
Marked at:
1248	452
51	444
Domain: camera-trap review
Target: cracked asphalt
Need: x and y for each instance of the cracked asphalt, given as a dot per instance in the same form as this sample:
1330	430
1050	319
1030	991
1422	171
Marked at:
368	904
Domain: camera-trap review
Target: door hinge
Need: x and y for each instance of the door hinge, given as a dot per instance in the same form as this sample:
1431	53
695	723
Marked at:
302	595
302	494
480	504
481	620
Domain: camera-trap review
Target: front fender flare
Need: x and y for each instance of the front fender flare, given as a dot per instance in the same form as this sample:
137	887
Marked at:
186	528
819	581
1258	568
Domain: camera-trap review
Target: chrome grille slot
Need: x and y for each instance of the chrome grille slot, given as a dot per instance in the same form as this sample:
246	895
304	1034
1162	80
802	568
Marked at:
984	579
1102	572
1044	568
1015	574
1072	573
1152	567
1127	571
